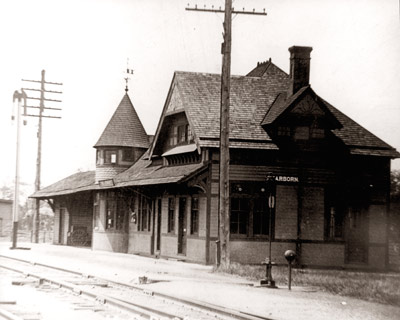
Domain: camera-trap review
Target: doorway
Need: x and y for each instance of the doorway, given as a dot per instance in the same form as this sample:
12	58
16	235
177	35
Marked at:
158	233
182	226
356	234
61	233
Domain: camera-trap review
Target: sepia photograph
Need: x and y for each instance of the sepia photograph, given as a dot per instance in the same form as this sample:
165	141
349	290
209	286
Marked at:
221	159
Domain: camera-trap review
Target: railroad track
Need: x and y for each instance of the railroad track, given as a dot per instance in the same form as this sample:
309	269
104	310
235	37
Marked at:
131	299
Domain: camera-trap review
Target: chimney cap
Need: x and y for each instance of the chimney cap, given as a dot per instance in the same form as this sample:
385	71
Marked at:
300	52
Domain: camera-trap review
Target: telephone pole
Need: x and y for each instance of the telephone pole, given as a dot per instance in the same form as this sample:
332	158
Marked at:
40	115
224	217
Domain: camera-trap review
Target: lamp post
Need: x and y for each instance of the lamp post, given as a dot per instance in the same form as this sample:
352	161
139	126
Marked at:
17	96
268	281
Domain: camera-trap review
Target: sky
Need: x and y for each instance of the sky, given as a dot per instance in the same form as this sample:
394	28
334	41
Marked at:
85	44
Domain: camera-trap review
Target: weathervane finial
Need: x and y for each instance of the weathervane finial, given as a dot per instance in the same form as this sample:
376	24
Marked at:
128	72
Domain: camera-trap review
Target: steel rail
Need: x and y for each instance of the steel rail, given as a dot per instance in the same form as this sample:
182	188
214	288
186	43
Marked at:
4	314
142	311
194	303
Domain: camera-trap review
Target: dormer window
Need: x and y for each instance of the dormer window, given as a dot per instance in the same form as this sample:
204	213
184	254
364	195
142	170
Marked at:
317	133
179	134
182	133
302	133
284	131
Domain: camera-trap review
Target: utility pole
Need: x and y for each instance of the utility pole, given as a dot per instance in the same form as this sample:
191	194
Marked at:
224	217
41	108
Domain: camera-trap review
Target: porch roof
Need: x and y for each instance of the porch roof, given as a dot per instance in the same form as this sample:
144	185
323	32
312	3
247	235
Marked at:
78	182
142	173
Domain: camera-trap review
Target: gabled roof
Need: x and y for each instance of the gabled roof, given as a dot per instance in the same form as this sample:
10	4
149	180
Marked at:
267	69
255	100
125	128
282	105
80	181
250	98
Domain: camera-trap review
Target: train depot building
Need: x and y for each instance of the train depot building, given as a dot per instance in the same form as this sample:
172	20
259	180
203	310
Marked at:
158	196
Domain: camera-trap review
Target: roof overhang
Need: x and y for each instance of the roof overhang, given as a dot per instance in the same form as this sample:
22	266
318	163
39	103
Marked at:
180	149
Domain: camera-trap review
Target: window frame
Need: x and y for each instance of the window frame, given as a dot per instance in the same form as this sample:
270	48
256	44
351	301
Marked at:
253	192
144	214
171	215
194	215
131	157
117	212
108	160
335	215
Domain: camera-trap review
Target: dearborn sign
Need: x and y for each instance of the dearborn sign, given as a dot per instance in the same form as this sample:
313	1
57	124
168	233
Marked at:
286	179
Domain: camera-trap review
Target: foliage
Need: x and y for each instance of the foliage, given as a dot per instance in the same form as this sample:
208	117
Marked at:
395	184
371	286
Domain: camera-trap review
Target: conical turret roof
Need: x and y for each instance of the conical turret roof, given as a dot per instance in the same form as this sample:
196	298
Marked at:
124	129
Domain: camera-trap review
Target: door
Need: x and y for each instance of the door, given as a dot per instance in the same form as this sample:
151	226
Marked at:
158	233
61	232
356	236
182	226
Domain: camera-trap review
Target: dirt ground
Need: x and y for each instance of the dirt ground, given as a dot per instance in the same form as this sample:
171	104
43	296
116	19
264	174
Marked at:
198	282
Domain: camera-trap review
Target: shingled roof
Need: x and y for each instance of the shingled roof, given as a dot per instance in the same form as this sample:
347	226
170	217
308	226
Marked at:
142	173
78	182
282	104
251	99
125	128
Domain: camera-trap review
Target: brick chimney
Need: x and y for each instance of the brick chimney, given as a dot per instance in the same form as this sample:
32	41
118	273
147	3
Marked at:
299	68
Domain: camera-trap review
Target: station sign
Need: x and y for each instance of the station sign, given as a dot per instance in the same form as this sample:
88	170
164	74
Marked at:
290	179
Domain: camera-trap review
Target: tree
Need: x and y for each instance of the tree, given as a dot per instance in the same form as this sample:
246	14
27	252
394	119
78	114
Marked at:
395	185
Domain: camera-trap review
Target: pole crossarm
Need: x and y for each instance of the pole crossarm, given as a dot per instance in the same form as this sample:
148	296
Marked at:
44	99
42	116
46	82
223	11
50	91
35	107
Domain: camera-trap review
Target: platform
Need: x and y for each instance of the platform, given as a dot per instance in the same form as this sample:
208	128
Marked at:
199	282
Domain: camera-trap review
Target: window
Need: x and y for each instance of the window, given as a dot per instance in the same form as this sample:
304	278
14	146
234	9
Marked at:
111	209
98	157
318	133
116	214
110	156
96	210
179	134
261	217
172	136
171	214
334	214
144	214
302	133
194	216
128	155
284	131
182	133
239	215
249	210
